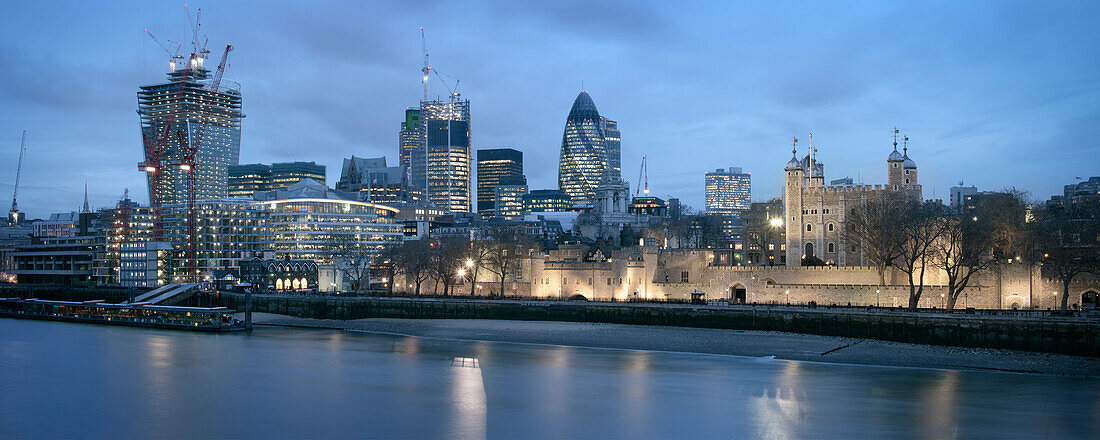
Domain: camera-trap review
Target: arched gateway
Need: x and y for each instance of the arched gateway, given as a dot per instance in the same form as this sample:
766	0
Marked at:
738	294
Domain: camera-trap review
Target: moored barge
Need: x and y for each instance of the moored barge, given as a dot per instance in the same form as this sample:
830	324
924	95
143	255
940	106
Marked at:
207	319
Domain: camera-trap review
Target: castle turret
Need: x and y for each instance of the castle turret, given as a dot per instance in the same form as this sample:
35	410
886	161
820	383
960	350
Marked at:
792	199
894	167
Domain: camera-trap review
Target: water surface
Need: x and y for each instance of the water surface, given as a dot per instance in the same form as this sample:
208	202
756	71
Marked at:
90	381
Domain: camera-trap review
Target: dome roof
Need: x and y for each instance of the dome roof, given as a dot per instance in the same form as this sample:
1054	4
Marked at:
583	108
793	164
909	162
895	155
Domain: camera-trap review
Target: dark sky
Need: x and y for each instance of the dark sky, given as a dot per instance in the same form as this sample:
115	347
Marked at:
996	93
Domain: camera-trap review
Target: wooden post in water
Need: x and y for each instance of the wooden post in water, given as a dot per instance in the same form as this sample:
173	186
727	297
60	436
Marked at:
248	309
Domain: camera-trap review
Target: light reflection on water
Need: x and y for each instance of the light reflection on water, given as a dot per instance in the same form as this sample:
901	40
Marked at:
69	380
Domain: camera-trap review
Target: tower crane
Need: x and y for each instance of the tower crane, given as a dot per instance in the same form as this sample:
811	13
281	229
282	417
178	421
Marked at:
643	176
13	213
188	164
198	51
426	70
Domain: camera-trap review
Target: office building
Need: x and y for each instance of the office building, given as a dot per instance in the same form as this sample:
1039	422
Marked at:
178	103
547	200
284	174
960	195
409	139
727	192
508	201
613	140
246	179
377	183
846	181
494	166
585	153
227	230
312	222
448	161
145	264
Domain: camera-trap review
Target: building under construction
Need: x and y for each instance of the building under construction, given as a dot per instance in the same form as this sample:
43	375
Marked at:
187	103
446	126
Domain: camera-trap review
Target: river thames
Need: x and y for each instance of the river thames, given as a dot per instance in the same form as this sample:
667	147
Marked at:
88	381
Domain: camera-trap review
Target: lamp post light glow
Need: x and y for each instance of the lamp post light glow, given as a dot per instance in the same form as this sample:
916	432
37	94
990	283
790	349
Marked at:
776	222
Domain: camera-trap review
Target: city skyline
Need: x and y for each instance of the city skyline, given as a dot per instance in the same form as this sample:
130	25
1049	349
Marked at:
736	94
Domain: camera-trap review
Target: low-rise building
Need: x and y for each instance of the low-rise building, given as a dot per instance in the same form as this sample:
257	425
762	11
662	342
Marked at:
145	263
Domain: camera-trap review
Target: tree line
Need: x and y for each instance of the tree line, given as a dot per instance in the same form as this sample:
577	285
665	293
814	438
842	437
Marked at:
913	236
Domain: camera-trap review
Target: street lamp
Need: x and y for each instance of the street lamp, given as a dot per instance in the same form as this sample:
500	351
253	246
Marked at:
776	222
876	297
469	263
788	292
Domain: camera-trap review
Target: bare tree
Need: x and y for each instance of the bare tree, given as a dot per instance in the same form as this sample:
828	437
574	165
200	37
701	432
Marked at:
506	247
446	259
919	225
1004	215
963	251
352	256
1068	245
412	259
476	259
872	228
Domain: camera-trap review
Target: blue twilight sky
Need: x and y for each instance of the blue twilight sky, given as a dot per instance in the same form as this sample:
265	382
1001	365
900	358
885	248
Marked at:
994	93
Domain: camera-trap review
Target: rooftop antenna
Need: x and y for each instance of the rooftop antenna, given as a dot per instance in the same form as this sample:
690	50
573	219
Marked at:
425	70
13	214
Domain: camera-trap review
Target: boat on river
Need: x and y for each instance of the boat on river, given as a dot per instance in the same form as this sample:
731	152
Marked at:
207	319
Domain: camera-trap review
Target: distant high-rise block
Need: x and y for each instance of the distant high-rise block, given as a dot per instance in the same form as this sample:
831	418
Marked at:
589	146
284	174
494	167
219	136
448	161
547	200
411	141
508	201
727	192
245	179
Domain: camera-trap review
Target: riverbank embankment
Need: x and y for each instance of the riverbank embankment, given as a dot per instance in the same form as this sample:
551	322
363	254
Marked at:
788	346
1073	336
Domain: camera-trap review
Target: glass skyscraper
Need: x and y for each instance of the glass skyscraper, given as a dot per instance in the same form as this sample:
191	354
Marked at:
589	146
197	105
496	166
448	161
411	142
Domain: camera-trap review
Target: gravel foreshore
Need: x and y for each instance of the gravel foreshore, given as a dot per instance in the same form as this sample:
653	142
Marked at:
792	346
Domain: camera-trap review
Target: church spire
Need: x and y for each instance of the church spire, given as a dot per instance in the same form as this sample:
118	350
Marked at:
86	208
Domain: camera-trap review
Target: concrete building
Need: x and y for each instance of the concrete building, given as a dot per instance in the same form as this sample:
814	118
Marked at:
496	166
59	225
61	261
219	136
145	264
448	161
816	213
227	230
959	196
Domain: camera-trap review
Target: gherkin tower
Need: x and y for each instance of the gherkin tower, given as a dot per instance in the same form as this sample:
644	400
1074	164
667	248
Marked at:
586	151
